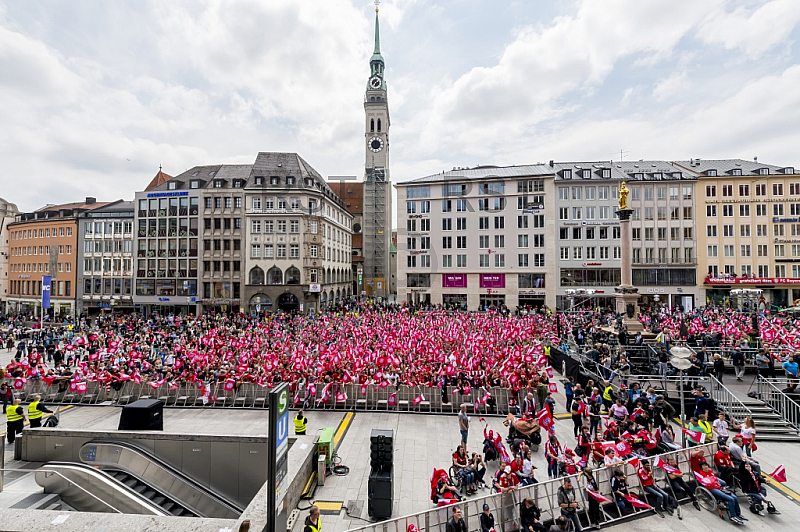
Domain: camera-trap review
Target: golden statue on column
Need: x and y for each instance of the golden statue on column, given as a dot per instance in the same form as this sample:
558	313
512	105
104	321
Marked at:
623	196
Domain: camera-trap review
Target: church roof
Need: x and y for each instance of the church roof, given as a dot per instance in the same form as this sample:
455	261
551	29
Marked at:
159	179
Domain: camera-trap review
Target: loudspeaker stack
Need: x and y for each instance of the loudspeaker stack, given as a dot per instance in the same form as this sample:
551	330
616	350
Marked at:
381	484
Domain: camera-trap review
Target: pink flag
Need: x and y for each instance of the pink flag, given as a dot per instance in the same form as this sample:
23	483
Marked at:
636	503
155	384
553	387
666	467
779	474
596	496
137	378
419	399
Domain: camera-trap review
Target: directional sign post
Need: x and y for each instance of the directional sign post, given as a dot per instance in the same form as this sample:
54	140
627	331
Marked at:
277	483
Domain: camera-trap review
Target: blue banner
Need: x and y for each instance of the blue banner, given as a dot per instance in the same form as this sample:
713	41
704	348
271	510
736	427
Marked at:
46	282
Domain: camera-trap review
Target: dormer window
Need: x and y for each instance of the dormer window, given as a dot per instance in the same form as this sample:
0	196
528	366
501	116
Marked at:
789	170
657	175
763	171
274	180
172	185
737	171
194	183
567	174
218	183
606	173
290	180
309	181
259	180
638	175
677	175
237	183
711	173
586	174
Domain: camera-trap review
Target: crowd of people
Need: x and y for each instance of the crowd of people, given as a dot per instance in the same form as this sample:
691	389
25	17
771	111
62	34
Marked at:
388	345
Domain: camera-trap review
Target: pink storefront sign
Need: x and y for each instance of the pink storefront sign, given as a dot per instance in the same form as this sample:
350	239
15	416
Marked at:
493	280
454	280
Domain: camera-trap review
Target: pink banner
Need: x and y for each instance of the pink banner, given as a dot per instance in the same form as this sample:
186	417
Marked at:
493	280
454	280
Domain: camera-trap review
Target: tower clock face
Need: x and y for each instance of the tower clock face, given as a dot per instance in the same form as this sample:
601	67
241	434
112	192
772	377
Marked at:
375	82
376	144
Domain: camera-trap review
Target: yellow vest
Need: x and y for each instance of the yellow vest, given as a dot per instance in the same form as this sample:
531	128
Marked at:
14	413
315	528
547	351
33	410
607	393
706	428
300	425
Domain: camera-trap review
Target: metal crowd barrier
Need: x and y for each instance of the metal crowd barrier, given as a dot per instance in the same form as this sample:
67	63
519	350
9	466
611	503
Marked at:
249	395
771	392
505	506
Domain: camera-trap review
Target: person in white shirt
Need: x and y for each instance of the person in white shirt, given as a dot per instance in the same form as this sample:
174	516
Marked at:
720	428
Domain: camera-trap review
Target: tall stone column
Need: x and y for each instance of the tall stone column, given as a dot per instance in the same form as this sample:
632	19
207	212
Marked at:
626	295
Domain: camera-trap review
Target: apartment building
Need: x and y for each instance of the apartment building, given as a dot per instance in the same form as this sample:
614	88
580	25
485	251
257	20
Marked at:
298	238
748	221
105	262
8	212
45	243
480	237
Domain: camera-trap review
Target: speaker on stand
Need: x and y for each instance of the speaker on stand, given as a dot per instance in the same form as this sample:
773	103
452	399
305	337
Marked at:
381	481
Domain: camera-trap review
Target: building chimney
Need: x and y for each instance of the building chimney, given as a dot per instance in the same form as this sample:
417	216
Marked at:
551	163
90	200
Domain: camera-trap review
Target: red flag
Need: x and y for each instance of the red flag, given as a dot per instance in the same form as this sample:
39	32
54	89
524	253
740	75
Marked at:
19	382
155	384
137	378
546	420
49	379
549	371
581	407
779	474
80	387
695	435
363	389
229	385
636	503
596	496
419	399
623	448
635	462
341	397
553	387
666	467
393	399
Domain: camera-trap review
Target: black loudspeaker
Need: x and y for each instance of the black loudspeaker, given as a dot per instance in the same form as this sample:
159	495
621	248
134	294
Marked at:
381	449
144	414
381	476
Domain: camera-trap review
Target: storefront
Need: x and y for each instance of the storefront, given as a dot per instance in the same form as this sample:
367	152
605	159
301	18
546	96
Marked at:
777	292
533	298
672	297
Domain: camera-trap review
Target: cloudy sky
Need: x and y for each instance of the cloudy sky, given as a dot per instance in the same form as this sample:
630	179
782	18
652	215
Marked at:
96	95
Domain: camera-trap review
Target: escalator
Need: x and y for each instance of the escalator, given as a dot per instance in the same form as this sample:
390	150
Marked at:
171	506
122	477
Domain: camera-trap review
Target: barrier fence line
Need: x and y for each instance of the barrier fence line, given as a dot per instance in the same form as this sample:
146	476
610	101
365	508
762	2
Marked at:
505	506
248	395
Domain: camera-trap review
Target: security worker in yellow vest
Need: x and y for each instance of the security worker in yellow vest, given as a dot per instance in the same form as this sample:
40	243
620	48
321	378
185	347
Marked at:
15	417
547	353
300	423
608	395
313	523
703	422
36	410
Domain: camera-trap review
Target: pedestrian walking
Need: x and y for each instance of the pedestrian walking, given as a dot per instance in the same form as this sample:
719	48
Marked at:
463	424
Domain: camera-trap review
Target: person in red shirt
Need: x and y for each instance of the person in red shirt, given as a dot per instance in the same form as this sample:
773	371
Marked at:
722	459
645	473
507	481
709	480
698	459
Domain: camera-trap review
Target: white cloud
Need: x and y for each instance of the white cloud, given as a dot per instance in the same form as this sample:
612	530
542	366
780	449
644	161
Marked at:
753	31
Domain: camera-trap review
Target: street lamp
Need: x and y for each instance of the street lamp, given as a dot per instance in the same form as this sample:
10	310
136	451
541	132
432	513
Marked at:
680	360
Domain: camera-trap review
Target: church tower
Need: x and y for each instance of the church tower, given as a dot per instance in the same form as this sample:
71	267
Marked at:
377	187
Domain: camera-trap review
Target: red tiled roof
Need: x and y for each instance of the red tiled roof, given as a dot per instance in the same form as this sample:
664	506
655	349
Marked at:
159	179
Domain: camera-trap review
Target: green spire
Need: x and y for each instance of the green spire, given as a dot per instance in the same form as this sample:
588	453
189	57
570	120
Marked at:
377	35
